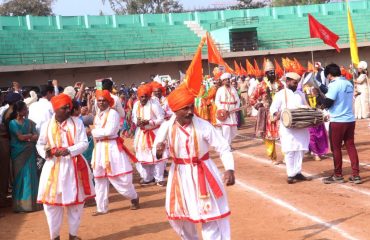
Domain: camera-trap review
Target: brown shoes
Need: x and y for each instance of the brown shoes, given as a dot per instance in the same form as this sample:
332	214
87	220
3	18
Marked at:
71	237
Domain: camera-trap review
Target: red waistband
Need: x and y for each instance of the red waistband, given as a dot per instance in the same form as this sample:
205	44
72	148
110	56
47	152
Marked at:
193	160
228	102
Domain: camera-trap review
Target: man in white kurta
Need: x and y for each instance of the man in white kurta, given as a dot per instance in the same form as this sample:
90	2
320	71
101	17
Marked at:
159	95
148	115
227	98
195	191
294	142
110	158
66	180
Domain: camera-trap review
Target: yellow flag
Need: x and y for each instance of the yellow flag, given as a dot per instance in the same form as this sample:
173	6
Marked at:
352	39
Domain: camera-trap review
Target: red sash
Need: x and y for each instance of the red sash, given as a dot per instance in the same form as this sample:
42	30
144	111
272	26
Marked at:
203	174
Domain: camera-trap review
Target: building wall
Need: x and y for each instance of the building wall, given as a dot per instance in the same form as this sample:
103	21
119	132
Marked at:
141	72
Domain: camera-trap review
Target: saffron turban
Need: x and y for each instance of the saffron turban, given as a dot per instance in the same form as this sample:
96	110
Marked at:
157	85
106	95
180	98
60	101
145	89
269	66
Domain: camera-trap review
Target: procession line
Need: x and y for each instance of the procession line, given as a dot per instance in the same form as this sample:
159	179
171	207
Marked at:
290	207
266	161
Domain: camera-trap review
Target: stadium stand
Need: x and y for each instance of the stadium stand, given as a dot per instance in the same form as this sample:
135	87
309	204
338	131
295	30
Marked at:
59	39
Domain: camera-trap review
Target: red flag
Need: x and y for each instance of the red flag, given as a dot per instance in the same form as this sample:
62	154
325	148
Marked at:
317	30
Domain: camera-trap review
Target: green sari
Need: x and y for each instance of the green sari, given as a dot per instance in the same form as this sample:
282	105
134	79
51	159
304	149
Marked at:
23	155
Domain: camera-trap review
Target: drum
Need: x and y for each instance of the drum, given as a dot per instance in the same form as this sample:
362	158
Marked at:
222	114
301	117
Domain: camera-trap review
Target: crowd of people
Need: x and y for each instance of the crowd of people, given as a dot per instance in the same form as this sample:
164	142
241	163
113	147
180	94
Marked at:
61	147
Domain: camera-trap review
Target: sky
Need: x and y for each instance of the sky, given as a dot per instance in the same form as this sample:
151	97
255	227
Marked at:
93	7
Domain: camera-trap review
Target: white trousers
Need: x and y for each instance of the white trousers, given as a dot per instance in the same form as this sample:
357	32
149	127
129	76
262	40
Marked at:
54	217
214	230
293	162
123	184
148	172
228	132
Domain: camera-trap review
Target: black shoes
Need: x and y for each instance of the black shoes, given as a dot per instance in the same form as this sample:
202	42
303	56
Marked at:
298	177
135	204
355	179
333	179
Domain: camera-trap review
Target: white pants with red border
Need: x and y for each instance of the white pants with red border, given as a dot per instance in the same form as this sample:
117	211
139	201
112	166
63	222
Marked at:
54	217
148	172
213	230
123	184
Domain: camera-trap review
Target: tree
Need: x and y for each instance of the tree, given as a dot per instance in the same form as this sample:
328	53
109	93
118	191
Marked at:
144	6
26	7
242	4
278	3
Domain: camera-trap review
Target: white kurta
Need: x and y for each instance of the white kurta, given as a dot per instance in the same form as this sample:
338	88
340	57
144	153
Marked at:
195	208
107	159
228	99
40	113
292	139
164	104
144	137
65	187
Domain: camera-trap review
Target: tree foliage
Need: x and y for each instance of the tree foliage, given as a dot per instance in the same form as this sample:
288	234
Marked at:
278	3
26	7
246	4
144	6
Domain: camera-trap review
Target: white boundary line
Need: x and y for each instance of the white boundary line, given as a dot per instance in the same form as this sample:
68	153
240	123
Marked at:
290	207
266	161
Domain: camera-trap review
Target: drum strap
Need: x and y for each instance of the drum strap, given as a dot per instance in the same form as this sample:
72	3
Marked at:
286	98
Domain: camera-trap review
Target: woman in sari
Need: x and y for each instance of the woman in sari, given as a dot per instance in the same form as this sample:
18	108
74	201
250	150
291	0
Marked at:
23	138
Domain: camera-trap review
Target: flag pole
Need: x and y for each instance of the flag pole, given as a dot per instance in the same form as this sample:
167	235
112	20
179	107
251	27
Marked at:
312	54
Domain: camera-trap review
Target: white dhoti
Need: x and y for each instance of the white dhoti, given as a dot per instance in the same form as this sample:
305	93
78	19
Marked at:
293	162
54	216
123	184
148	172
213	230
228	132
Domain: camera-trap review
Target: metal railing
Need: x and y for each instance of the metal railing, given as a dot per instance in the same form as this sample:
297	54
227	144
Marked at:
234	22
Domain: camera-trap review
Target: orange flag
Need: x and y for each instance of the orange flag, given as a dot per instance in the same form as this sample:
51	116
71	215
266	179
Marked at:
264	63
257	70
299	68
310	67
242	70
250	68
214	56
194	73
278	70
237	68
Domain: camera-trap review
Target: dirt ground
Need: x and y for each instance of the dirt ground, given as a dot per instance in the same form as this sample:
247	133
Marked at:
263	205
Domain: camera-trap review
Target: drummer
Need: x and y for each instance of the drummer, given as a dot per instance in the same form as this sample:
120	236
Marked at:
227	98
294	142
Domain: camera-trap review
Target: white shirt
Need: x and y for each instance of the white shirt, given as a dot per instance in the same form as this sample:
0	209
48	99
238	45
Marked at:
292	139
40	112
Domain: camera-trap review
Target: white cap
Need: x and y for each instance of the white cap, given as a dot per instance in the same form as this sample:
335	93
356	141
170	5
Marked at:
70	91
225	76
362	65
293	75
